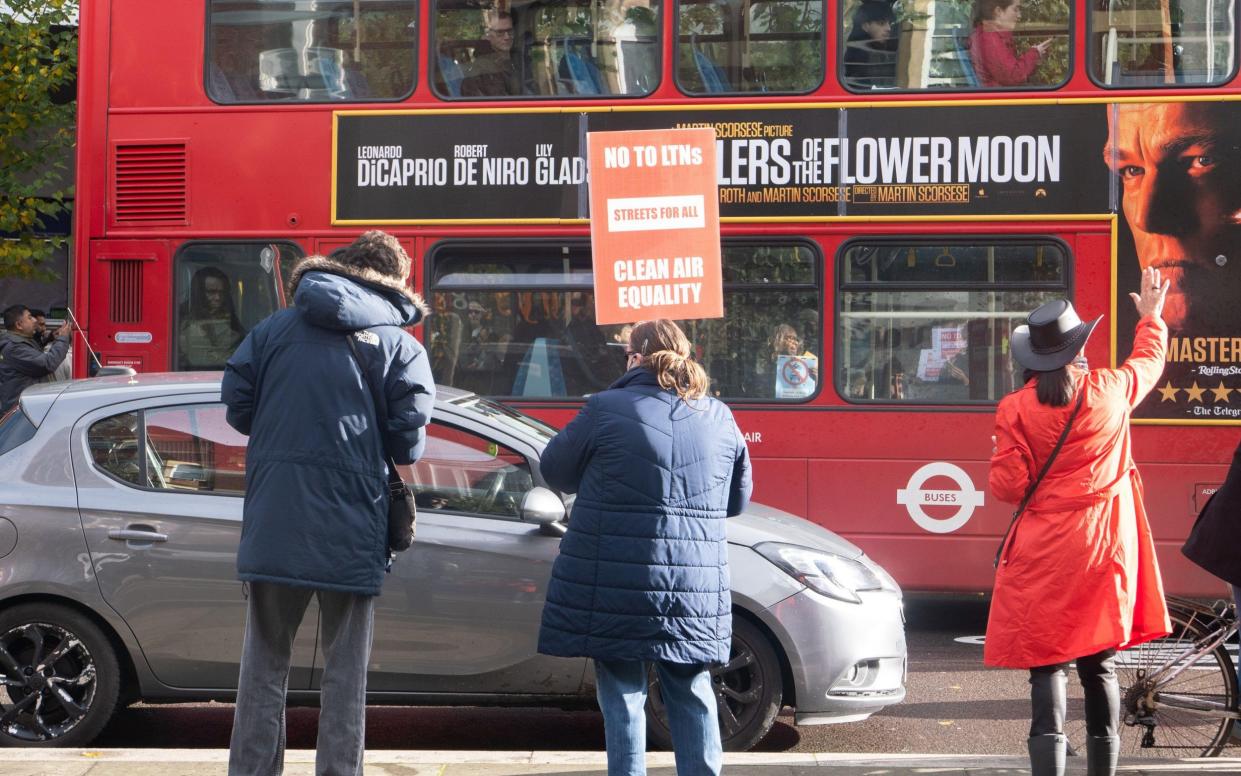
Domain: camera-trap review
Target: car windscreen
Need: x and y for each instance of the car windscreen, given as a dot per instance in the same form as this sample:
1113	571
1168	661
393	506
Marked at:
15	428
508	418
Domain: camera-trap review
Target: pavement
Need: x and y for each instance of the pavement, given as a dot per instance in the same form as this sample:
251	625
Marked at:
300	762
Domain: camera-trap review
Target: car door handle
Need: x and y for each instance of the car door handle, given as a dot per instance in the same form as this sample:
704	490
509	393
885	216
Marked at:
131	535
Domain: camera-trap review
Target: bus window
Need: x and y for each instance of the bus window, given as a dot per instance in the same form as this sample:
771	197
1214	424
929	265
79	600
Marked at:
222	290
928	323
562	48
518	321
758	46
984	44
1145	43
310	50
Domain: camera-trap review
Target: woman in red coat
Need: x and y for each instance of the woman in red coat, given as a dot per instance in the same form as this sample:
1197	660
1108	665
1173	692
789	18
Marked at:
992	50
1077	577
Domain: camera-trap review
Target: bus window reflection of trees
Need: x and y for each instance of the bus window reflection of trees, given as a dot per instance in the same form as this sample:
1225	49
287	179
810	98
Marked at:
557	49
310	50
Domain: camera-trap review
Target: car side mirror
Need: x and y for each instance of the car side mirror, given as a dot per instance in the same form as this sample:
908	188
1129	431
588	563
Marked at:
541	507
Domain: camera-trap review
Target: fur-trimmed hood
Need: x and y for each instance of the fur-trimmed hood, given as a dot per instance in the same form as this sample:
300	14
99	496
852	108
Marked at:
409	305
342	303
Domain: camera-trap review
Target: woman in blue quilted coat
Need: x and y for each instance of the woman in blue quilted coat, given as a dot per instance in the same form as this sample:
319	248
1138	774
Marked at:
642	576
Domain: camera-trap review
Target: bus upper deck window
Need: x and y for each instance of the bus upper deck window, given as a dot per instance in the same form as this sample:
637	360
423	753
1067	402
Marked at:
563	48
761	46
1153	43
310	50
986	44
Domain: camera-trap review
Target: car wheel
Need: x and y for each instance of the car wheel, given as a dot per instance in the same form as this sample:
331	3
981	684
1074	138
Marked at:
59	678
749	690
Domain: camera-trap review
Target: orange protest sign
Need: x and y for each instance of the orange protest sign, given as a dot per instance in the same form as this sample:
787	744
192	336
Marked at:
655	225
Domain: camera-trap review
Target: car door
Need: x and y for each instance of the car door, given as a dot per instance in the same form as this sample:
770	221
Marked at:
460	612
160	489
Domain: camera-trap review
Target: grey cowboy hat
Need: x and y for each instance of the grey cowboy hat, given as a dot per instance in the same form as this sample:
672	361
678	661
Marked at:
1051	337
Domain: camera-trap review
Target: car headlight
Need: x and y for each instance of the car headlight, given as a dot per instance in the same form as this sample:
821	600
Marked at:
832	575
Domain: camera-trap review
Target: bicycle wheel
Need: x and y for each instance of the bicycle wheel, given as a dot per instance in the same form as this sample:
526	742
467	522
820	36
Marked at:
1173	716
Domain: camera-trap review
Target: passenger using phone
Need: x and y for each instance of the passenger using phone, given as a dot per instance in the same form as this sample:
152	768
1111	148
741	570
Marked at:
992	50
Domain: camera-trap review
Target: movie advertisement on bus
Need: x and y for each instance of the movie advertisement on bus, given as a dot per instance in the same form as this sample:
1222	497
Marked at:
779	163
1179	192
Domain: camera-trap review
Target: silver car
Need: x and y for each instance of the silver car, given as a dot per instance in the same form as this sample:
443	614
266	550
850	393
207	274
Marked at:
120	511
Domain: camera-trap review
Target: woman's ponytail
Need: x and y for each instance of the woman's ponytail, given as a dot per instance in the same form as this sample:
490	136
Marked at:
665	351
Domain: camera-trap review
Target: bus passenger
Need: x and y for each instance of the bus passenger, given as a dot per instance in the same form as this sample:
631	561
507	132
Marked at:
870	50
445	335
1077	577
494	72
992	50
855	385
784	342
642	575
588	347
210	330
479	356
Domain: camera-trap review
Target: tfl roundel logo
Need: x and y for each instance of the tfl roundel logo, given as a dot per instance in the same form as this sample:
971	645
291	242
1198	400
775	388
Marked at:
914	496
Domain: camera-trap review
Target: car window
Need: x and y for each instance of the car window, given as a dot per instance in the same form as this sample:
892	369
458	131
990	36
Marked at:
114	447
192	448
188	448
465	472
15	429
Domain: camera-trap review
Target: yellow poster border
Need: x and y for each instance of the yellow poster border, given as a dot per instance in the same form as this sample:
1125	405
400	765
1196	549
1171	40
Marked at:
695	107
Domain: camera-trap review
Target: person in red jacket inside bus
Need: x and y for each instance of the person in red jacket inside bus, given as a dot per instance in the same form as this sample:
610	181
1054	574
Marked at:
1077	576
992	50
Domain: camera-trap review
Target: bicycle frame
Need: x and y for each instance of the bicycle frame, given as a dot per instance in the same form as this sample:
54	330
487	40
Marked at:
1221	628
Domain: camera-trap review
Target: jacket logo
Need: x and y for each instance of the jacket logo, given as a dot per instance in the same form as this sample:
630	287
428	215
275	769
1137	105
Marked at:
367	337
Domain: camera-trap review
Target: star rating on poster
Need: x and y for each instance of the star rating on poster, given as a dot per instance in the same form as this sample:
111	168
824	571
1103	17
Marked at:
1195	392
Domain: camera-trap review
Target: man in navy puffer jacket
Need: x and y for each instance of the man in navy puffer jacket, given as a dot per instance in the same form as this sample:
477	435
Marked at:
315	516
642	575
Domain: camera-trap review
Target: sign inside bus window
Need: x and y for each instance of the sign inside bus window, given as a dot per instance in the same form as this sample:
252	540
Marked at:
656	250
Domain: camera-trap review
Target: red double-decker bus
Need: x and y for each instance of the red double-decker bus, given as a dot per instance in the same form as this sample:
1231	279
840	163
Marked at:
899	182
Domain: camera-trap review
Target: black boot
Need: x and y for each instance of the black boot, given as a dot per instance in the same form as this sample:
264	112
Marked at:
1101	754
1047	754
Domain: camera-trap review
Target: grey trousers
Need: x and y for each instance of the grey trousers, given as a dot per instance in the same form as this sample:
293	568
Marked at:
272	617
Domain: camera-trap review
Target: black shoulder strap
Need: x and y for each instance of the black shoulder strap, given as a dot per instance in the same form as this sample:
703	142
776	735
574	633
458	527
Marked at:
1081	395
381	406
